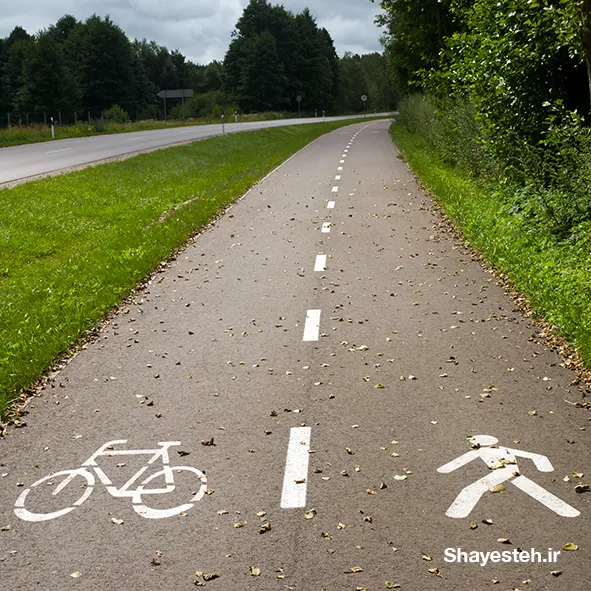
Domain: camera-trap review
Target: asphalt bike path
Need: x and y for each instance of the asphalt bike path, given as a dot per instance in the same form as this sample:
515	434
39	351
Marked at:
312	366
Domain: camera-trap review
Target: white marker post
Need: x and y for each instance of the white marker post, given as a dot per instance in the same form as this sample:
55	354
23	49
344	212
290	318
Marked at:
52	129
295	481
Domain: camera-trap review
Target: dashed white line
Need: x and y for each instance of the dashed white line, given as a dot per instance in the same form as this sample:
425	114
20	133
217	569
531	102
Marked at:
335	189
331	204
295	481
56	151
340	168
320	264
342	162
312	328
337	178
326	228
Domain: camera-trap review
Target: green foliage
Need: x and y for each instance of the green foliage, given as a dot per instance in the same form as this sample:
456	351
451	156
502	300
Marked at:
276	56
116	114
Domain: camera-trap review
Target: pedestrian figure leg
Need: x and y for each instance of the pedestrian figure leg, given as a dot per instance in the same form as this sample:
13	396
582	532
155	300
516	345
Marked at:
471	494
545	497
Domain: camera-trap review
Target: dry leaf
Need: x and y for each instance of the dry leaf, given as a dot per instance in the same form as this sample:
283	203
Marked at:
497	489
354	569
570	547
255	571
503	540
310	514
207	442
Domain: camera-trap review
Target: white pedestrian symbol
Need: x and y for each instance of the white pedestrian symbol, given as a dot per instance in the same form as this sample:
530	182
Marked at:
502	460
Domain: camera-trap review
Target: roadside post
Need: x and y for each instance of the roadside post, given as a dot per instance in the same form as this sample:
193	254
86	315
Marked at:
223	125
323	115
364	99
52	129
299	99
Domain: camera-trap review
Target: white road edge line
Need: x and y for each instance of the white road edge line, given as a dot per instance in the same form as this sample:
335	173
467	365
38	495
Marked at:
312	328
320	264
331	204
295	481
326	228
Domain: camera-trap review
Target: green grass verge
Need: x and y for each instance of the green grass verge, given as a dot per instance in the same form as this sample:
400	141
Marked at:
554	275
73	246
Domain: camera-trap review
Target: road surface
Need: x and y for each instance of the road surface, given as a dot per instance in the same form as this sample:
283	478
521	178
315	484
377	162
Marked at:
319	409
32	160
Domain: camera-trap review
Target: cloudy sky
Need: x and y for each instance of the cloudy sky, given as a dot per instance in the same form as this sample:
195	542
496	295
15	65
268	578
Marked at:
200	29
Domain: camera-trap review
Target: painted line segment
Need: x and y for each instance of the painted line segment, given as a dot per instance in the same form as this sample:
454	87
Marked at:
312	328
320	264
295	481
331	204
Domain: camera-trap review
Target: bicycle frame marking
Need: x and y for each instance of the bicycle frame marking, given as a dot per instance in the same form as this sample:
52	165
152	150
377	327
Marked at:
127	490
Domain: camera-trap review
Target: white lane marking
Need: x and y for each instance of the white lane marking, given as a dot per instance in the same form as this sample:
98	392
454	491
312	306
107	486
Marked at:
337	178
295	481
335	189
57	151
326	228
312	328
344	156
342	162
340	168
346	151
331	204
320	264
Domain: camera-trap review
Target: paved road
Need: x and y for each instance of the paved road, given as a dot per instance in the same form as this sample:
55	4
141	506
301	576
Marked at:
303	472
32	160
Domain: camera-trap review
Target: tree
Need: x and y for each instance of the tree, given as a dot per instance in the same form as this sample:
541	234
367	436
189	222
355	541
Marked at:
104	65
15	47
48	84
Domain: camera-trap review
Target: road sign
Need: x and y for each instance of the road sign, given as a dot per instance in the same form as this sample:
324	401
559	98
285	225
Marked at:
364	98
181	93
503	463
177	93
299	98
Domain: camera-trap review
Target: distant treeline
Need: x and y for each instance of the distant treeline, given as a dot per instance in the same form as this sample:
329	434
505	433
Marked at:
274	56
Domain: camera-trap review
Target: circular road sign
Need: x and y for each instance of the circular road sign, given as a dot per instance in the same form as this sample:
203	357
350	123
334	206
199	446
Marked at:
364	98
299	98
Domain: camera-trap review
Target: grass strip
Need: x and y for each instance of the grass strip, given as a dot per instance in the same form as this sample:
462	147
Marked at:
555	275
73	246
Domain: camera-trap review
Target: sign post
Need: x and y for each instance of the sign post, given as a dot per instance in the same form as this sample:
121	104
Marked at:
364	99
223	125
52	130
181	93
299	99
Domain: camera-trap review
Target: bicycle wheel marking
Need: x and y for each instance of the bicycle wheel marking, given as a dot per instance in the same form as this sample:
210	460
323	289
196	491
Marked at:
132	489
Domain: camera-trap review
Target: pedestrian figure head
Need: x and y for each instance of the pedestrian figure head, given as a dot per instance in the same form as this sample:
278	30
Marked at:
484	440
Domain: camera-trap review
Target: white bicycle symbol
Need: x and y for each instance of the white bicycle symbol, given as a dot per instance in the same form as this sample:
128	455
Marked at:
125	491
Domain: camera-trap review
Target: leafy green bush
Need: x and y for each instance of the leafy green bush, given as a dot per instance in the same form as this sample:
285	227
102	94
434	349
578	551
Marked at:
116	114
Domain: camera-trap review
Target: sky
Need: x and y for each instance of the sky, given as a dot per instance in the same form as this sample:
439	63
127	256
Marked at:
200	29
